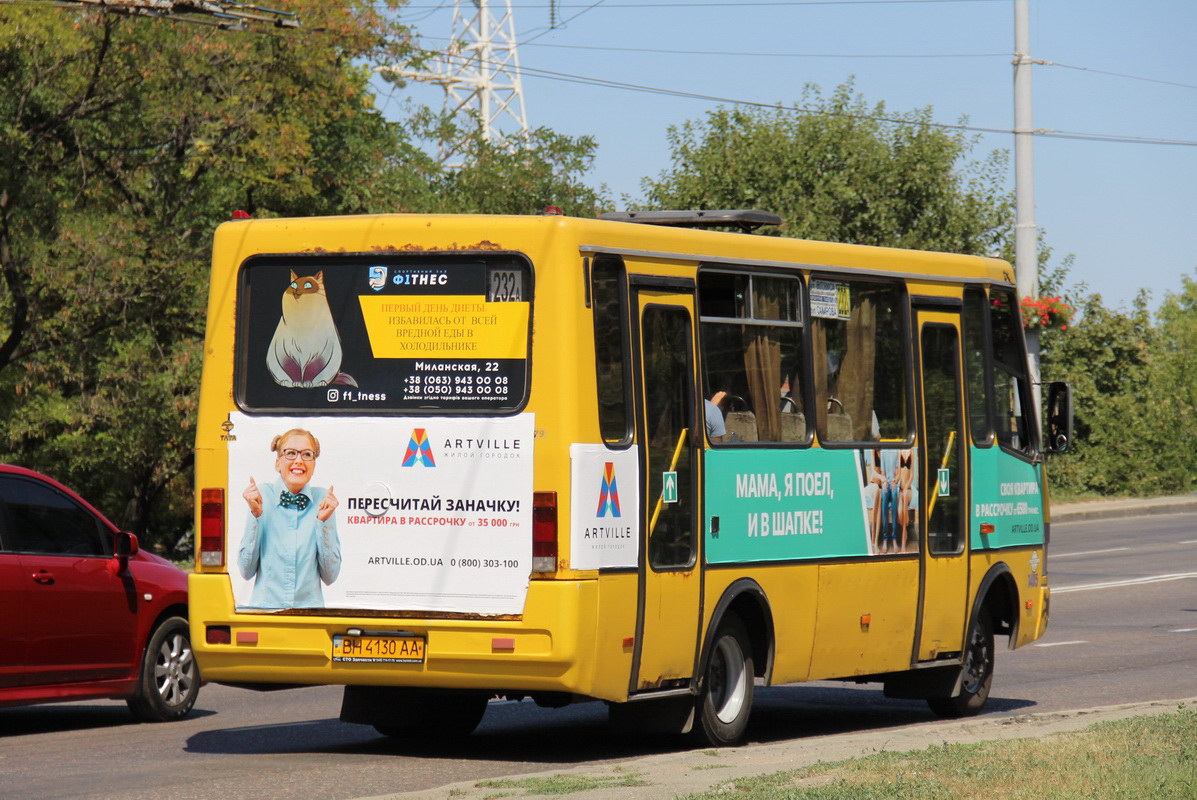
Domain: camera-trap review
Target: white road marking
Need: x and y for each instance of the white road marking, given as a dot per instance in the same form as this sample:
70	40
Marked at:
1182	630
1084	587
1189	541
1058	644
1090	552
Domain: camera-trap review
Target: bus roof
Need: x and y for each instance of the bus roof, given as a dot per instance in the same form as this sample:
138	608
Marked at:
442	233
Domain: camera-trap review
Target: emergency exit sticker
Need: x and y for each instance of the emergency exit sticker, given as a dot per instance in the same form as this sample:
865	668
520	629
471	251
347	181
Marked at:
944	488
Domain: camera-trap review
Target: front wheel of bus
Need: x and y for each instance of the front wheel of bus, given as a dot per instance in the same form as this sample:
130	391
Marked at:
978	674
726	698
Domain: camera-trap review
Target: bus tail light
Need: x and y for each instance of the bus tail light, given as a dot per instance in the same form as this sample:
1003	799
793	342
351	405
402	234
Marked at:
544	532
211	527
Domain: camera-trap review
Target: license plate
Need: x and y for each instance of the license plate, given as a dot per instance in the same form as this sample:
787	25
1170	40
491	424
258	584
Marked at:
378	649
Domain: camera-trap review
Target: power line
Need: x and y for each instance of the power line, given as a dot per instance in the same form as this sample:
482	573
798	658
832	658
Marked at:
667	51
1041	132
1115	74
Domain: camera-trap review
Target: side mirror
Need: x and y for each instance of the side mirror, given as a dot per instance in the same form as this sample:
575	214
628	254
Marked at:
1059	417
125	546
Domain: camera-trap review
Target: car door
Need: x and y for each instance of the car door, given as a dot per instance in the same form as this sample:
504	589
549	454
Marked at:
12	615
80	618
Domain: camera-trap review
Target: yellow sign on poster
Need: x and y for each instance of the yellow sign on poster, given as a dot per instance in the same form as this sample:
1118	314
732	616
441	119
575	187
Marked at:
445	326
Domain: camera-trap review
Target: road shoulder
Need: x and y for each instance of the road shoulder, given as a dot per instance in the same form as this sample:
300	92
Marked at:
666	776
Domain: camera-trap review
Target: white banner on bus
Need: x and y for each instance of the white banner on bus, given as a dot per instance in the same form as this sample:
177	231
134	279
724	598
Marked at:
605	498
401	513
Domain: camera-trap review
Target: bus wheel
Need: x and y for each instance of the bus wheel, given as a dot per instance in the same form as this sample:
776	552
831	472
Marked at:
978	674
430	715
726	697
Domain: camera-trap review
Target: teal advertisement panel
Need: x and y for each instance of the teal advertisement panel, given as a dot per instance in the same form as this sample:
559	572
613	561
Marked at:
774	504
1007	493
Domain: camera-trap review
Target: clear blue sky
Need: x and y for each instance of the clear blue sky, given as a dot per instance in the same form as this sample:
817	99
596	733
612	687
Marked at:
1126	211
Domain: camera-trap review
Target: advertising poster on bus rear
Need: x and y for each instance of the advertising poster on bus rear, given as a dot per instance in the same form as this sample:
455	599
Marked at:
395	514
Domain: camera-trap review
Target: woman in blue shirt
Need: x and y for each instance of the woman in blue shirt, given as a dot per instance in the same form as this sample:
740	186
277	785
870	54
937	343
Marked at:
290	542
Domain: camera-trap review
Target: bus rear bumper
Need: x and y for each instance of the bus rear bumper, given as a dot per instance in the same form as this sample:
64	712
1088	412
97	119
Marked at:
547	650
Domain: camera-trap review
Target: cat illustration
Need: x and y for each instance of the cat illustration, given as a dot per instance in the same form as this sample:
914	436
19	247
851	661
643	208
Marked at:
306	350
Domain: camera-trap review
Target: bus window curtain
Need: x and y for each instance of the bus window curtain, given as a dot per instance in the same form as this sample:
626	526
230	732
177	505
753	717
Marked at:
762	359
858	373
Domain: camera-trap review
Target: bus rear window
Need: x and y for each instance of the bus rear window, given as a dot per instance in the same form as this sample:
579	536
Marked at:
352	334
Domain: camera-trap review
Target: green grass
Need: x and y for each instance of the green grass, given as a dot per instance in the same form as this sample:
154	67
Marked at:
1132	759
561	784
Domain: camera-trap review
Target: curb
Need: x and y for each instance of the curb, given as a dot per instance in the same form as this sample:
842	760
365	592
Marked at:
1114	509
668	776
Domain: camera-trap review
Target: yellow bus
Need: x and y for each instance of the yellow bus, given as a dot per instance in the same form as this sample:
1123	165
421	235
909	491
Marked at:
444	458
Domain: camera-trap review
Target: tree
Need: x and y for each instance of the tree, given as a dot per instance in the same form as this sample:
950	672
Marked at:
840	174
123	142
1105	356
516	176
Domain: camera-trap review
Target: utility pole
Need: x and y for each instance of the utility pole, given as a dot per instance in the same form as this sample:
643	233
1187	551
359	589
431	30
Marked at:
1026	235
479	72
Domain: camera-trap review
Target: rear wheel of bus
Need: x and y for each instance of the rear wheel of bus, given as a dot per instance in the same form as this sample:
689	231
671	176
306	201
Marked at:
726	698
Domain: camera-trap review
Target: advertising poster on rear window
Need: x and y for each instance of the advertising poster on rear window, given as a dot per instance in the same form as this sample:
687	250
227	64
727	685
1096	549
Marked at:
396	514
355	334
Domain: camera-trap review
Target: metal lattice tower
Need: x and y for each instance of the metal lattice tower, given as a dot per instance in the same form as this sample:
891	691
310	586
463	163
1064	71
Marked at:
479	72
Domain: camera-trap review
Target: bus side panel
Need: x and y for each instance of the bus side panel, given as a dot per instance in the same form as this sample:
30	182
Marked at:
1009	498
1007	493
611	660
867	618
792	594
1026	566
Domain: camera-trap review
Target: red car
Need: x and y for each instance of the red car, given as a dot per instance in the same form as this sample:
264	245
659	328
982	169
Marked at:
83	612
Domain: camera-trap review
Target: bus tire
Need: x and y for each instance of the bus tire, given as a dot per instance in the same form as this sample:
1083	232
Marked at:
726	697
434	715
169	680
977	673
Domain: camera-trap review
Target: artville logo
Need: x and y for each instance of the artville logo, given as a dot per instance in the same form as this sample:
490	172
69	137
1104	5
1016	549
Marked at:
608	492
419	450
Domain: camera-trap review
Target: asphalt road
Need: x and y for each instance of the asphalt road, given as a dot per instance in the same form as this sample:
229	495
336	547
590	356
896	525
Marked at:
1124	629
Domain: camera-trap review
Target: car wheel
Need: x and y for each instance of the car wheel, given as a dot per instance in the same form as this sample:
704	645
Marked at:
169	681
977	677
726	698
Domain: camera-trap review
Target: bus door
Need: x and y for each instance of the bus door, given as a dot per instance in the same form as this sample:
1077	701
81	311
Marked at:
942	508
667	431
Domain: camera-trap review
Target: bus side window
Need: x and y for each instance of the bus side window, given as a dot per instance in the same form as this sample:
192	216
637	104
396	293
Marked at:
752	354
859	343
1011	386
980	394
609	293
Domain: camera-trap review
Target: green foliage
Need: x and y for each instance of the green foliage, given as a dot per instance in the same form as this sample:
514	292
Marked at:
507	177
1134	382
124	141
841	175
